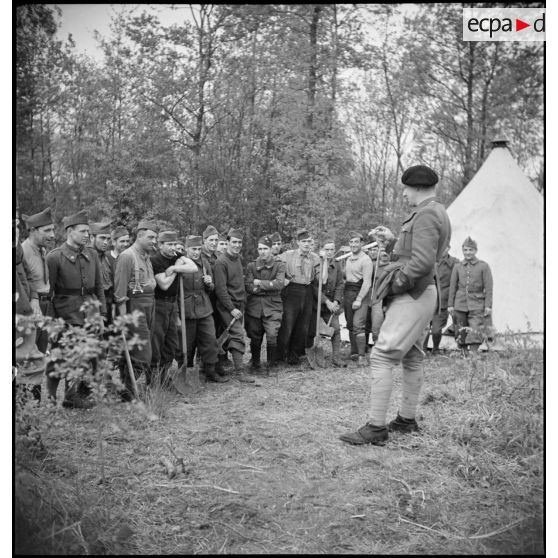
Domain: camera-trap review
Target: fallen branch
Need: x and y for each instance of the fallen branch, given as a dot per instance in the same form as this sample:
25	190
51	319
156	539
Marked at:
197	486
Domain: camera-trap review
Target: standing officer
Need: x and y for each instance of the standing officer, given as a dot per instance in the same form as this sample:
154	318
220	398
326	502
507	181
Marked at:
470	297
100	233
35	248
333	299
265	278
301	271
210	242
198	313
412	299
358	280
231	297
75	276
445	268
134	289
164	333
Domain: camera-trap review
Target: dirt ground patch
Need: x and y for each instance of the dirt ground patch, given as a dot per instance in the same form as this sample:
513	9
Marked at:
265	471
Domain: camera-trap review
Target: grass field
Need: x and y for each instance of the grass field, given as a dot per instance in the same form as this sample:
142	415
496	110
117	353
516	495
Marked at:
265	472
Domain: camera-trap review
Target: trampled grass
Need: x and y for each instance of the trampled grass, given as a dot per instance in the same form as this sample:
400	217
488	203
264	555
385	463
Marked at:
266	473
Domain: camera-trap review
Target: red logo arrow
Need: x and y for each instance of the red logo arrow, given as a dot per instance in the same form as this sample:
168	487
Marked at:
519	25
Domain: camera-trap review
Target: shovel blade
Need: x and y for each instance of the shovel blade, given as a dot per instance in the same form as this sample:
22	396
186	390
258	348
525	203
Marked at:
187	380
316	358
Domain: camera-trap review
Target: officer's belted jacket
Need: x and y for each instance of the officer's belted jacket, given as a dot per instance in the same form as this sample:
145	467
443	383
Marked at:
425	233
197	304
75	275
265	300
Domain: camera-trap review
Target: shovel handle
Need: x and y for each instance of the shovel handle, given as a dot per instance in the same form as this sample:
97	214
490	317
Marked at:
183	318
130	367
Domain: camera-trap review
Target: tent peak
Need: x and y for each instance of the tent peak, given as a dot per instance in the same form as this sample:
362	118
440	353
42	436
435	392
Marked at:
499	142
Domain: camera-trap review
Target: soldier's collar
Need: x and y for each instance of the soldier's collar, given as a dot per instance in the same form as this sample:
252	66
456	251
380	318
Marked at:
472	261
72	253
261	263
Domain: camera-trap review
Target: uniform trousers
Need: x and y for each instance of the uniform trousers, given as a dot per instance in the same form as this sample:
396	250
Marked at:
269	326
475	320
164	334
140	356
356	319
297	313
200	335
400	341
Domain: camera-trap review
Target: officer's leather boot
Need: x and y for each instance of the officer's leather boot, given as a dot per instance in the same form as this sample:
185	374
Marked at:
354	348
436	338
256	349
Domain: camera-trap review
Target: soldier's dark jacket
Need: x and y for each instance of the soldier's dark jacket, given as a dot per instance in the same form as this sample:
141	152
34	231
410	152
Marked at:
425	233
74	275
445	267
197	303
266	300
229	281
334	286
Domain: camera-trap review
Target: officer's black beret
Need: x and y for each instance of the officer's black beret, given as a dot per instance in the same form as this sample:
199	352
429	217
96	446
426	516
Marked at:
419	176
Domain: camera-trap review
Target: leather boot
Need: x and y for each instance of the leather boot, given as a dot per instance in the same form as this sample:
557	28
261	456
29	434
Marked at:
367	434
335	348
212	376
239	368
255	349
436	338
354	348
401	424
360	341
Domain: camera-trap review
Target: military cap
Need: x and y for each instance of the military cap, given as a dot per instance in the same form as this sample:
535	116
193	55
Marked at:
303	234
235	233
38	220
146	224
193	241
79	218
265	240
469	242
99	228
419	176
167	236
210	231
275	237
328	240
118	232
355	234
223	236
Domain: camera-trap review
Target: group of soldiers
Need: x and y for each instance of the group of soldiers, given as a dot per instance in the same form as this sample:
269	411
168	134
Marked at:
203	284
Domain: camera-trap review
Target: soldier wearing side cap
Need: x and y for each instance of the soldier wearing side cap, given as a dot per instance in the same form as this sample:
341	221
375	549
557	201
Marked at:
409	286
35	249
198	314
265	277
134	289
276	244
120	241
470	297
168	267
222	244
100	240
75	276
231	299
301	275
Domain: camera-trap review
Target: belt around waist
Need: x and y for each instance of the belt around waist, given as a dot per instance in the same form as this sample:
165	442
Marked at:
43	296
166	298
353	286
74	292
144	294
299	285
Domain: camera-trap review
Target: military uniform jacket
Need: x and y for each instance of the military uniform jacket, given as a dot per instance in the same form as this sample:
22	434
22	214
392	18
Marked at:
197	304
133	275
334	287
425	233
74	276
445	267
265	300
470	286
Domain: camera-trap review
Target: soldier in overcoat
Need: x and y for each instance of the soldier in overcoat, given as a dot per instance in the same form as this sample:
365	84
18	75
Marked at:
265	278
411	303
75	276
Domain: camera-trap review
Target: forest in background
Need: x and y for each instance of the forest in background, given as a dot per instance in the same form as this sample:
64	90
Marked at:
267	117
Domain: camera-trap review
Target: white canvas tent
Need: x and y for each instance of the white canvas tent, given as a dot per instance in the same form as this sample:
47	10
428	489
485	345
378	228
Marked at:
502	210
